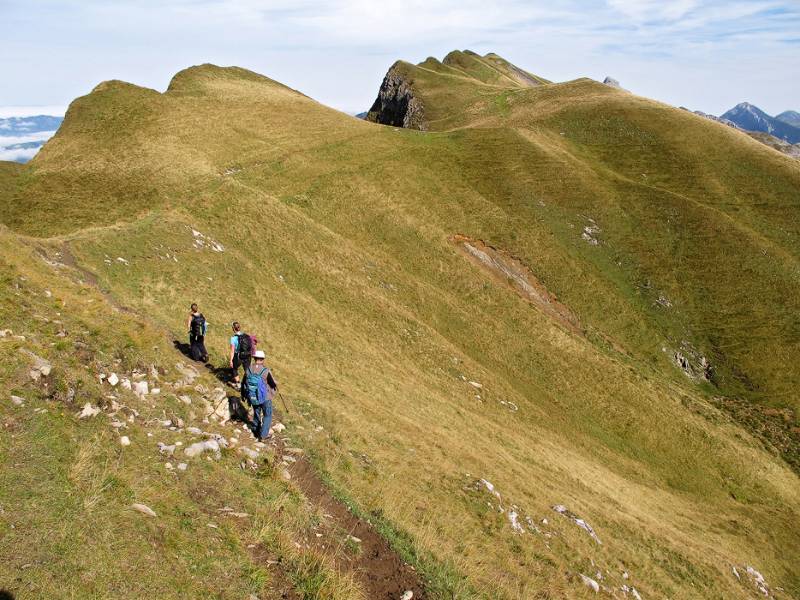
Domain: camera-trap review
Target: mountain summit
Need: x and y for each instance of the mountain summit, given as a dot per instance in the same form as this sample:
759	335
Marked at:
410	94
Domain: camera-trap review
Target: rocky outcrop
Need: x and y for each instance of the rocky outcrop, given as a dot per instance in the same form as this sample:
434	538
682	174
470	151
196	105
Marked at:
396	104
611	82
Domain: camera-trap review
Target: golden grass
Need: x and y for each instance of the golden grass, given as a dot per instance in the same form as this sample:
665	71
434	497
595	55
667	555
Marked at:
337	255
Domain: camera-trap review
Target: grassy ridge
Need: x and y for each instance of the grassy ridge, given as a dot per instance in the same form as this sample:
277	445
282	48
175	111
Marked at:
336	251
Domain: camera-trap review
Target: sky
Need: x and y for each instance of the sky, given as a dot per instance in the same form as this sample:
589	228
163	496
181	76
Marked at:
703	54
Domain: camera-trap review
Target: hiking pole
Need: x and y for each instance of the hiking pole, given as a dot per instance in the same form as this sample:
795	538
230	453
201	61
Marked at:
284	402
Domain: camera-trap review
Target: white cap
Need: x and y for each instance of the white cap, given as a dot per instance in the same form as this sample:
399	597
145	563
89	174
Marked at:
259	354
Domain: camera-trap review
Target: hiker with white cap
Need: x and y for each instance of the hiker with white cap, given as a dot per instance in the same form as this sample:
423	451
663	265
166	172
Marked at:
258	388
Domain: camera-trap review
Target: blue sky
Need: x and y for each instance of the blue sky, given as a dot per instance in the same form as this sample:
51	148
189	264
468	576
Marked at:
704	54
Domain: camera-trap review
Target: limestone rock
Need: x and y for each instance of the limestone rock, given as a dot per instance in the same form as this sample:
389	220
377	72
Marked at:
396	104
200	447
125	440
113	380
144	509
140	388
17	401
407	595
248	452
88	411
590	583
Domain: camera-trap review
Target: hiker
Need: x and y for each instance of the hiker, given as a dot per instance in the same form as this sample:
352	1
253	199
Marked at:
242	347
258	388
197	327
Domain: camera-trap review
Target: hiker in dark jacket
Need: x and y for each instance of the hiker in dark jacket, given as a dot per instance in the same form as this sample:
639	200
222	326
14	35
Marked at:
242	346
197	327
258	388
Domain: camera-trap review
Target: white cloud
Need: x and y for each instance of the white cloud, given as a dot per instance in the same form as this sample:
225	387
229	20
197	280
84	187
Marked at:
39	136
18	155
654	10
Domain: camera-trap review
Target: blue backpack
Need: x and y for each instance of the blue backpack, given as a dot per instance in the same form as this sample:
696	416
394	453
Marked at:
255	387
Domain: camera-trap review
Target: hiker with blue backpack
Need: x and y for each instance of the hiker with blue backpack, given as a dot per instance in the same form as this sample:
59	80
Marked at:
242	346
258	388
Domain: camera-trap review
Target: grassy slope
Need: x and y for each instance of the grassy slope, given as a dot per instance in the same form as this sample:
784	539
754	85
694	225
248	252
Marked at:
336	252
67	485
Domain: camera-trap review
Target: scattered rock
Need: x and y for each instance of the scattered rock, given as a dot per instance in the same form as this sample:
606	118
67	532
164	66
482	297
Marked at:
278	427
286	475
88	411
692	363
562	510
144	509
125	441
758	580
200	447
185	399
590	232
113	380
194	430
589	582
475	384
140	388
168	466
248	452
513	518
407	595
166	450
182	466
17	401
126	384
41	367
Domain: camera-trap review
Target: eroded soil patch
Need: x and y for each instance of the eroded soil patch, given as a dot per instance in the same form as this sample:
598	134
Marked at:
512	272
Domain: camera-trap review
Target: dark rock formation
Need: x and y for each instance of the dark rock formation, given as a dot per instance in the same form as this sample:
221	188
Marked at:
396	103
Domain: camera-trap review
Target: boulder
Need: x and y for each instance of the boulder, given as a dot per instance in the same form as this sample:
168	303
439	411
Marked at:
140	388
113	380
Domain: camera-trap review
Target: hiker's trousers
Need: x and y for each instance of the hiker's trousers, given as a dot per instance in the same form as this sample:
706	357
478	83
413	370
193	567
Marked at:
262	419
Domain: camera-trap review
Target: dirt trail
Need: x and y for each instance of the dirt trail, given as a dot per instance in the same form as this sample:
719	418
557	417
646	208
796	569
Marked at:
380	571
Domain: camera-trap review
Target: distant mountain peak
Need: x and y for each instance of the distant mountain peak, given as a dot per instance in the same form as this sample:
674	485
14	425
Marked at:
751	118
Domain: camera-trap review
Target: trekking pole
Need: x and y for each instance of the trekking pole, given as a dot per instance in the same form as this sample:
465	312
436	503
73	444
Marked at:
284	402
